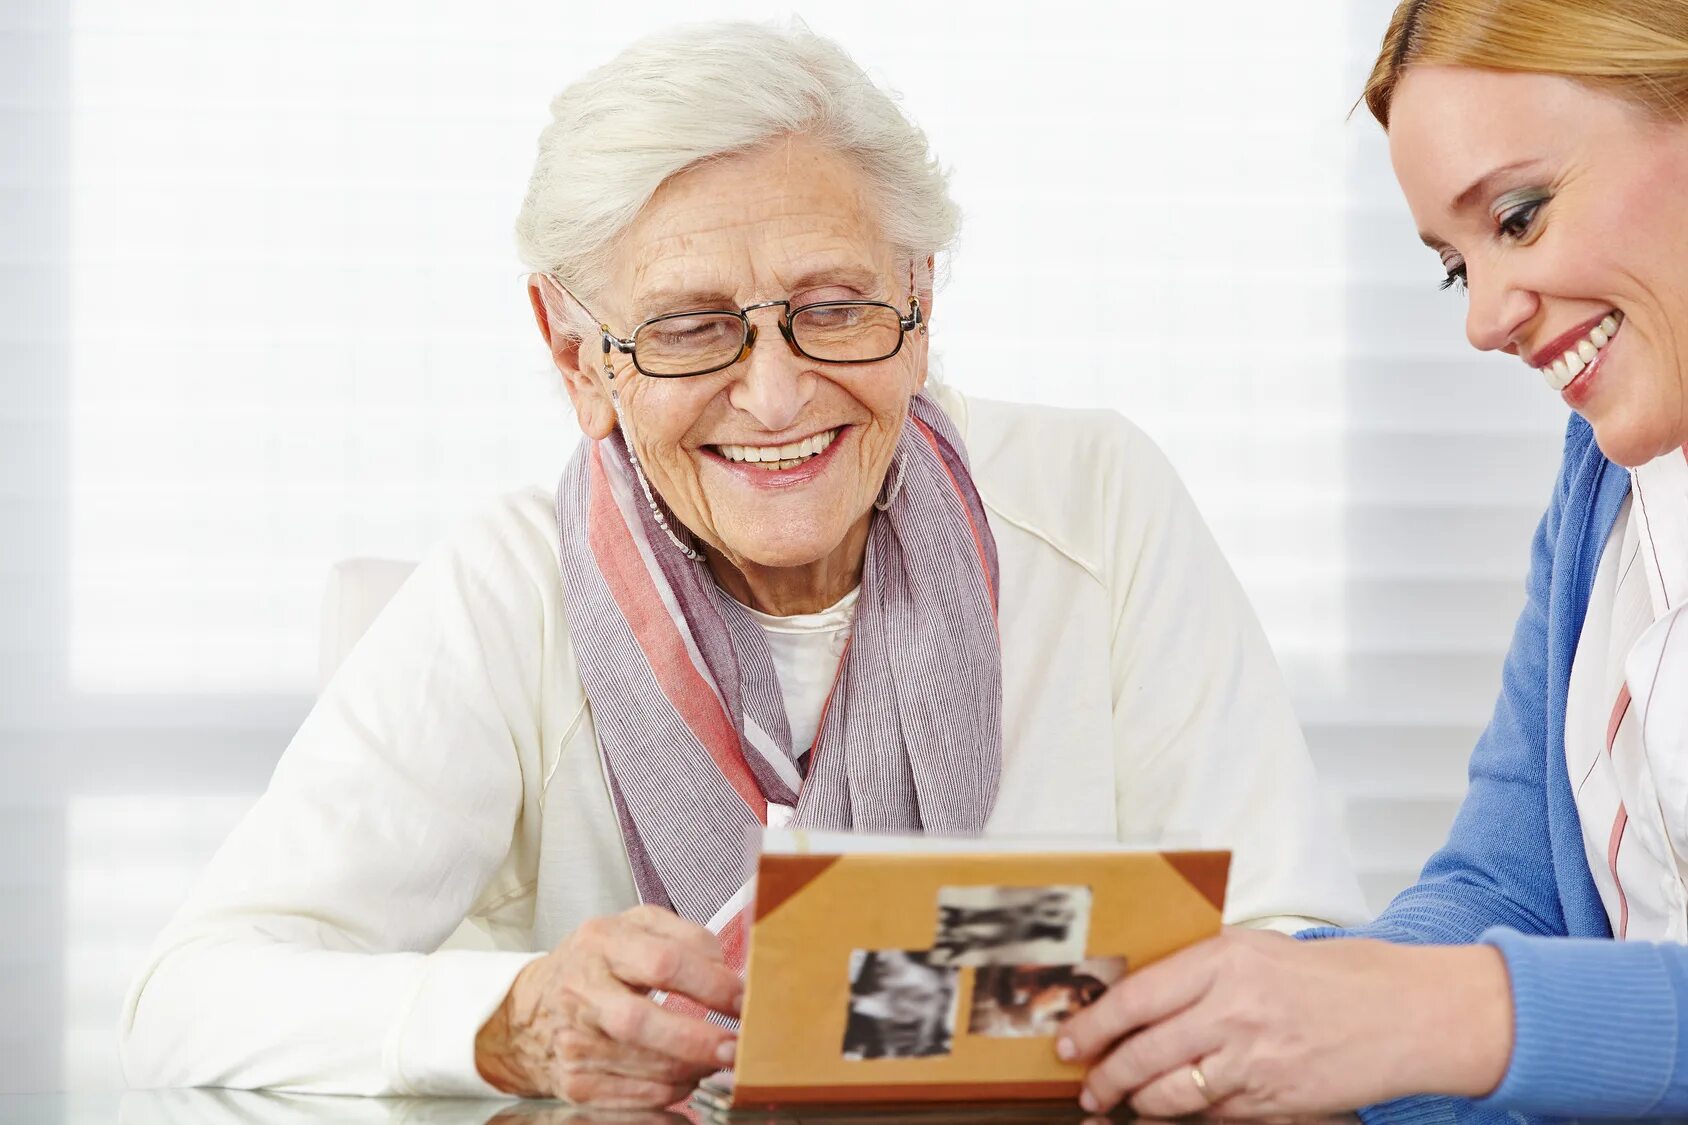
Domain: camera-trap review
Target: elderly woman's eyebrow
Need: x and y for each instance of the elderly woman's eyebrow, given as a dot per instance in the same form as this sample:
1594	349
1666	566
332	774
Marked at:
656	302
681	299
860	278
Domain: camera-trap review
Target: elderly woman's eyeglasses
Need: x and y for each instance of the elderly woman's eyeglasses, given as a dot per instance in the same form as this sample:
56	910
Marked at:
682	344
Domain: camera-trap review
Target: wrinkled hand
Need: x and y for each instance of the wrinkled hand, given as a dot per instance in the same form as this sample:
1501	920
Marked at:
1283	1027
577	1023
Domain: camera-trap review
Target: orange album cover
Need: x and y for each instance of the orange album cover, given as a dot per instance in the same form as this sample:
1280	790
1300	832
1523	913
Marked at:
901	975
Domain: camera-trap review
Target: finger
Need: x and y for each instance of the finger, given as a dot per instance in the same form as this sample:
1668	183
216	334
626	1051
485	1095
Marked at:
645	961
1139	1058
583	1049
614	1091
666	923
1178	1093
634	1020
1138	1000
579	1115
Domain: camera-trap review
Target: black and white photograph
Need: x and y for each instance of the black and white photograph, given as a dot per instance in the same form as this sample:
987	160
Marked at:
902	1005
1012	925
1026	1001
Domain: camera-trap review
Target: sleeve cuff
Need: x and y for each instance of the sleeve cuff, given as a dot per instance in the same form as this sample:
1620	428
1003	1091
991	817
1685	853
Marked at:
1290	925
1595	1026
1432	1109
433	1052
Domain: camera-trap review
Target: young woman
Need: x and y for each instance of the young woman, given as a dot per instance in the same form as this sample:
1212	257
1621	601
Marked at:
1538	966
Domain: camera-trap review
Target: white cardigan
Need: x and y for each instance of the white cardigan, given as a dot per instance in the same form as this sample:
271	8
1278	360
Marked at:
450	770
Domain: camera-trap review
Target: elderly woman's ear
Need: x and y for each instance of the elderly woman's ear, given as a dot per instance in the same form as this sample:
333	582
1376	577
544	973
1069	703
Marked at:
584	383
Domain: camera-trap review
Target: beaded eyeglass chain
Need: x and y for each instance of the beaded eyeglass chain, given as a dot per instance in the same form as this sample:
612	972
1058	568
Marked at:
650	498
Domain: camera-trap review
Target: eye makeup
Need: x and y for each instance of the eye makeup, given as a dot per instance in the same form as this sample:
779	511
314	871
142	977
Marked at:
1514	215
1515	212
1455	267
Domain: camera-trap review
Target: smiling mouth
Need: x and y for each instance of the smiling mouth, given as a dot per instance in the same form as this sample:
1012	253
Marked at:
773	458
1582	354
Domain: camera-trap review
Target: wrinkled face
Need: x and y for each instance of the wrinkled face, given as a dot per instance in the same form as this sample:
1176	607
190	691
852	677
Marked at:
774	460
1565	211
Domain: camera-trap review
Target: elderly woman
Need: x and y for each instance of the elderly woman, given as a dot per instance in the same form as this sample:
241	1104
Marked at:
785	578
1543	149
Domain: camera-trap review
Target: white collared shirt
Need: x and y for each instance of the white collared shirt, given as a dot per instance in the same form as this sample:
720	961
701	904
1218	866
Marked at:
1626	716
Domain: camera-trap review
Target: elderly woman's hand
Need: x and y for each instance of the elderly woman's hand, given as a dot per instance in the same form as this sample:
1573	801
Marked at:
577	1023
1282	1027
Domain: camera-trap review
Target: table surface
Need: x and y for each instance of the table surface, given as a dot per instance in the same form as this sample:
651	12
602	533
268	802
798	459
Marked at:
244	1107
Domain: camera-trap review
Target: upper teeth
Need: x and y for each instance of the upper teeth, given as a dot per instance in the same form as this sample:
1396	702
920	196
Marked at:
1561	371
791	451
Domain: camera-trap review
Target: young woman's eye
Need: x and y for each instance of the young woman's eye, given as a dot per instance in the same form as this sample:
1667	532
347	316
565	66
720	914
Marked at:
1456	277
1515	222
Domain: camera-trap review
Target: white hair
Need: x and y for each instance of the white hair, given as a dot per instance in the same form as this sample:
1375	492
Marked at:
699	92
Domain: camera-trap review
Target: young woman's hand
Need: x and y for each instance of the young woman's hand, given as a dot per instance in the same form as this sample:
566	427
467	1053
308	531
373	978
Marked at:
1253	1024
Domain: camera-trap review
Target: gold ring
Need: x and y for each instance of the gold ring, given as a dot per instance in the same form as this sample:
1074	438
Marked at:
1200	1080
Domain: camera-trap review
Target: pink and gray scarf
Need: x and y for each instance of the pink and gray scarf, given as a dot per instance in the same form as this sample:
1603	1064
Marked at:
690	721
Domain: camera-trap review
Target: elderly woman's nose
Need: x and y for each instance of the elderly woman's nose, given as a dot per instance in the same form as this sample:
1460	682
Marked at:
1497	311
775	384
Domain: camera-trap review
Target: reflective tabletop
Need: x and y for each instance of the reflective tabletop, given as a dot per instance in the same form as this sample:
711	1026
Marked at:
244	1107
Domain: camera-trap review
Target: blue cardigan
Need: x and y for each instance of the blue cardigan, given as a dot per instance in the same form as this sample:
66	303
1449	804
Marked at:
1600	1026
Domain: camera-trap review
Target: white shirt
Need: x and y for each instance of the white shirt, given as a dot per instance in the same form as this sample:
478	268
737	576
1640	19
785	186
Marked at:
807	649
450	771
1626	715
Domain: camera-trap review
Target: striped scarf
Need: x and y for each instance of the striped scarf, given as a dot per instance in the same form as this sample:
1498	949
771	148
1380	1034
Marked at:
690	720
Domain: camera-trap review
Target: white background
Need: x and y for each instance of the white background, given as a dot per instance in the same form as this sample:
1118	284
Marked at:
260	310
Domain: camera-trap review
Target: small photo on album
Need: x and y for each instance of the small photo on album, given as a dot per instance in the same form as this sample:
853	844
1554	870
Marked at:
902	1006
1012	925
1032	1001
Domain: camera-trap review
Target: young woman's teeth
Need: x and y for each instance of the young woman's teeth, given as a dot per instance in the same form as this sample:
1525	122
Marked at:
774	457
1561	371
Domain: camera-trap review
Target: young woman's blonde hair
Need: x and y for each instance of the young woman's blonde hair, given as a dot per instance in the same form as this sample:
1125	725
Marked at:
1636	49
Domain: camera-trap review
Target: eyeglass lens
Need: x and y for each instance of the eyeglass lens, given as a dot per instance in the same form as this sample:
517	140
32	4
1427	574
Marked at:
693	343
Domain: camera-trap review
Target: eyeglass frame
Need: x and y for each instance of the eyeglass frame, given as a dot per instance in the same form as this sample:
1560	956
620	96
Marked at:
915	320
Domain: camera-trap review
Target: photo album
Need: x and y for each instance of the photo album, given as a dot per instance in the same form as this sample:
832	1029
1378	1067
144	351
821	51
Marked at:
887	970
